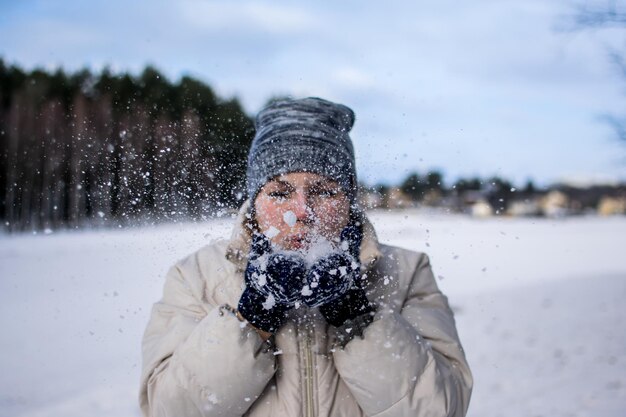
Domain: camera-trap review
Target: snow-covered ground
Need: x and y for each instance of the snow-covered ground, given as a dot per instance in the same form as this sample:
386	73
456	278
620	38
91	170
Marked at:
540	307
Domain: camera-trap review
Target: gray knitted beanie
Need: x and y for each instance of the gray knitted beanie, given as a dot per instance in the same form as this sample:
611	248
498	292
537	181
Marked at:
306	135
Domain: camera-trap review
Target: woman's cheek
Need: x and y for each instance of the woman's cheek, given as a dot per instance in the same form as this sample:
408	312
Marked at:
271	219
331	221
266	215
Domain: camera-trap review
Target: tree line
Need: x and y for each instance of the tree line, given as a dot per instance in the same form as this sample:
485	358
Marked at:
83	148
430	187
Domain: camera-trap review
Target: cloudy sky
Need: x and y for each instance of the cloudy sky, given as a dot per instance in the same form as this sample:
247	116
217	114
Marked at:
481	87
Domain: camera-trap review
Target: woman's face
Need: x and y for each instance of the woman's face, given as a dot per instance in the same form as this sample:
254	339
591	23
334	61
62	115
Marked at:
292	209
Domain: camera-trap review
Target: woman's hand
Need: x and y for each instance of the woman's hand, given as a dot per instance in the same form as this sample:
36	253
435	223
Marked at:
329	279
274	282
336	283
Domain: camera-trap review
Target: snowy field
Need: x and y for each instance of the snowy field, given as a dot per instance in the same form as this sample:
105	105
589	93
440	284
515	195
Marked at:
540	306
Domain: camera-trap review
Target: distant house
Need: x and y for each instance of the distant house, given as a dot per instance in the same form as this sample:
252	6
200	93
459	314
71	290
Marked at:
524	208
481	208
609	206
397	199
588	199
475	203
432	198
554	204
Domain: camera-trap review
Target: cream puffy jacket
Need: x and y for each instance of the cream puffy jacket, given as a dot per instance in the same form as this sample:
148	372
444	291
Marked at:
200	360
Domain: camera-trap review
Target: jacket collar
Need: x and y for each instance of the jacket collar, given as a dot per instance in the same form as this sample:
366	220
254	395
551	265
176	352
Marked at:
239	244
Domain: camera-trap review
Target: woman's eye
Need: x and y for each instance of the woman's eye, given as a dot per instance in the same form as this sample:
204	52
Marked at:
324	192
278	195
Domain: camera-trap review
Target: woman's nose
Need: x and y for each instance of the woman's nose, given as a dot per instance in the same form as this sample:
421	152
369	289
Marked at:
300	206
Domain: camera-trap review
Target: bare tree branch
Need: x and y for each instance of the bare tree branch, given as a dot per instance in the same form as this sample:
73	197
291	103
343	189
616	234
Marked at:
608	16
617	124
618	60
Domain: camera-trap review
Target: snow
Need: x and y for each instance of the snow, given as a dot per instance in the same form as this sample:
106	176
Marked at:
319	248
260	278
269	303
271	232
539	306
306	291
290	218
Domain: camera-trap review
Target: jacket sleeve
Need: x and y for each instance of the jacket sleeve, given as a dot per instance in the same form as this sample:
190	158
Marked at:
410	360
199	360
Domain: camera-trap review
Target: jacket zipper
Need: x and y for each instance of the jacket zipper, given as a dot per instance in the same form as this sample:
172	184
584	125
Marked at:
308	374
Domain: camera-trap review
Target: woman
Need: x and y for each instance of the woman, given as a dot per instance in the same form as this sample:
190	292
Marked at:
303	312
